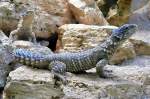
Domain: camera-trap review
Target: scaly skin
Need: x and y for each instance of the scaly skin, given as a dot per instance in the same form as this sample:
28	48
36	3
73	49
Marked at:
24	29
76	62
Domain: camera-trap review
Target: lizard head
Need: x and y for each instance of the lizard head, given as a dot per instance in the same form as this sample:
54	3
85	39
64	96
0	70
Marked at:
124	32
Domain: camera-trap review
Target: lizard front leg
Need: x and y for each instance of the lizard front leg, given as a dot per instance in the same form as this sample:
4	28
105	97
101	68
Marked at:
101	71
59	70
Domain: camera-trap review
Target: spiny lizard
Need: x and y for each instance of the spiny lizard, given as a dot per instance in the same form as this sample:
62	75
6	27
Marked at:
59	63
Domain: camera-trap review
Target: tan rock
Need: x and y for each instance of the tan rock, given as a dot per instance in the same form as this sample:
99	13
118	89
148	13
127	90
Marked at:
129	50
122	14
27	83
80	37
86	12
125	52
141	47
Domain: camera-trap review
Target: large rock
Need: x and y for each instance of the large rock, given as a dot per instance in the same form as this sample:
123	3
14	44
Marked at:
86	12
80	37
28	83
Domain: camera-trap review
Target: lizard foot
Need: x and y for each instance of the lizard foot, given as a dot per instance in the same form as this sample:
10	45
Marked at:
59	71
107	73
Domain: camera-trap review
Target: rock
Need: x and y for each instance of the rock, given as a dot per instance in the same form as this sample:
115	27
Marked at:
86	12
141	17
27	83
125	52
8	17
80	37
141	47
120	14
129	50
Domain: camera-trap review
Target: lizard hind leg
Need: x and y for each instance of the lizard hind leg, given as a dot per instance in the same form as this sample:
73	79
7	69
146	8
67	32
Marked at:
59	70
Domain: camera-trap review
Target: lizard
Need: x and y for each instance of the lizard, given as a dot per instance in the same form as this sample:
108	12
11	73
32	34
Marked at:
60	63
24	28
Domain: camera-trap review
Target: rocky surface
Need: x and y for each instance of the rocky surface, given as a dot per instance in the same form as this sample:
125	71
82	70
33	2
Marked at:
130	81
